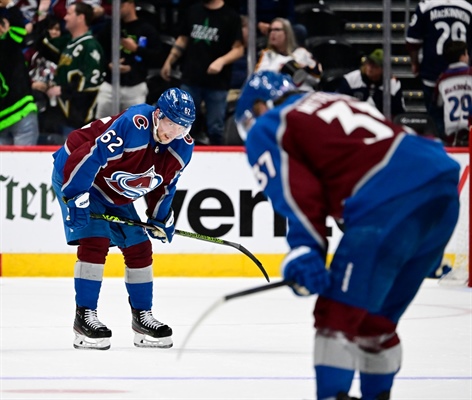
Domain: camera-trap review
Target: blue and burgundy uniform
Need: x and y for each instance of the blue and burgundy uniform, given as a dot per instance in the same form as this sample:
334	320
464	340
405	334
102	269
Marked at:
117	160
320	155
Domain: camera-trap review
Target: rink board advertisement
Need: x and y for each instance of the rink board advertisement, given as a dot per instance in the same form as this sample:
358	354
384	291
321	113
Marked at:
217	196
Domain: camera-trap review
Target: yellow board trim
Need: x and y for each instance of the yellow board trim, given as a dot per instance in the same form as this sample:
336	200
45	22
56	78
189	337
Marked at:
172	265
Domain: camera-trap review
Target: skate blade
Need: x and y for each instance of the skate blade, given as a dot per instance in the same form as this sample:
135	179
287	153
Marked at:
83	342
141	340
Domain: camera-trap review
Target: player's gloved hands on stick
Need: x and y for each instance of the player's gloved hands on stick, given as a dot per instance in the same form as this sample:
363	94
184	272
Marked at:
79	211
304	266
164	231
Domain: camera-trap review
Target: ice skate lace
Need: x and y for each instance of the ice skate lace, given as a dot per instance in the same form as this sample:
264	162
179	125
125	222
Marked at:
92	320
148	320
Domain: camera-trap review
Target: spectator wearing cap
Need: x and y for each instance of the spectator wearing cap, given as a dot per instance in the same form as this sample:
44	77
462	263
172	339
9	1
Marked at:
366	84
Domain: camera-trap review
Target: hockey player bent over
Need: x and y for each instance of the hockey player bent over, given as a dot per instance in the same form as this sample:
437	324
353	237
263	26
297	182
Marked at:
317	155
103	168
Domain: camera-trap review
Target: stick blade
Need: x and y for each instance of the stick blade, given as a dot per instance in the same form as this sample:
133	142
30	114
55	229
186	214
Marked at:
256	261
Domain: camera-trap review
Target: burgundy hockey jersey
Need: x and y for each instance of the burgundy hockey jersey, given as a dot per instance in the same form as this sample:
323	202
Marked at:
117	159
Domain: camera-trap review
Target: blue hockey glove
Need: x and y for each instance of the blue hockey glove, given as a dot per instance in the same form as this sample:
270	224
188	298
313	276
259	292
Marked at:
304	266
79	211
164	231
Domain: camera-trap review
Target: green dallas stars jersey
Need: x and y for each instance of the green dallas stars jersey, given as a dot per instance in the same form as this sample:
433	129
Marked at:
80	72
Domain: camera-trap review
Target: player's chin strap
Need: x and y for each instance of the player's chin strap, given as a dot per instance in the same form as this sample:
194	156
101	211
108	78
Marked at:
155	125
185	133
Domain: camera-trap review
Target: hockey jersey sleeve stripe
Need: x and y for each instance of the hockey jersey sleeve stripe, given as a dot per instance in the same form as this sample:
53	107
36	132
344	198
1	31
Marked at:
177	157
164	202
85	162
83	174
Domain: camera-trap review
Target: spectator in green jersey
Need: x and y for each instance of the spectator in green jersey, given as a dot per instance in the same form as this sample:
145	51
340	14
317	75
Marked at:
80	70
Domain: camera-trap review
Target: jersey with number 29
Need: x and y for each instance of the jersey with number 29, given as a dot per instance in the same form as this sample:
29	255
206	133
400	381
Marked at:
454	93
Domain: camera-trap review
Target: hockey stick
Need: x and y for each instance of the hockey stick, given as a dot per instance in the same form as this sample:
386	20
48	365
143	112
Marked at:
192	235
226	298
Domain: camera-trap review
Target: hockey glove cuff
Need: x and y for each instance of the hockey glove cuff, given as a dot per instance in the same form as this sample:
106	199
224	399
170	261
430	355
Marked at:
304	266
79	211
164	231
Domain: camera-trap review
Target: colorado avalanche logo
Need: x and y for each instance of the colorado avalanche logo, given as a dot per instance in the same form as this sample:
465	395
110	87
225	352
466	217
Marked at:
134	185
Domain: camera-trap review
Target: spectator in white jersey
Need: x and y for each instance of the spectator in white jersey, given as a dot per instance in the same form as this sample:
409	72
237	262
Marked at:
453	93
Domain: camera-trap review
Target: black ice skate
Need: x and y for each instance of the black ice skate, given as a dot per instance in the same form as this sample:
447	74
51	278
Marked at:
345	396
90	333
149	332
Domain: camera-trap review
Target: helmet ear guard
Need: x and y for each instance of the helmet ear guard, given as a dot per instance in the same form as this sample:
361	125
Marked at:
155	123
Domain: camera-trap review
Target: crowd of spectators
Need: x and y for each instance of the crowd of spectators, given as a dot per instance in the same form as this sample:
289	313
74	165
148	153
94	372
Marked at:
207	56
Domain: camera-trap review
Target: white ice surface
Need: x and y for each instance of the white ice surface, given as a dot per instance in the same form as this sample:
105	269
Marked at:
256	347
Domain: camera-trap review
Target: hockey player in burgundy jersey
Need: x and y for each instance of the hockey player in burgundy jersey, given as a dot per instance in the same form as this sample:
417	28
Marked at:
317	155
103	168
